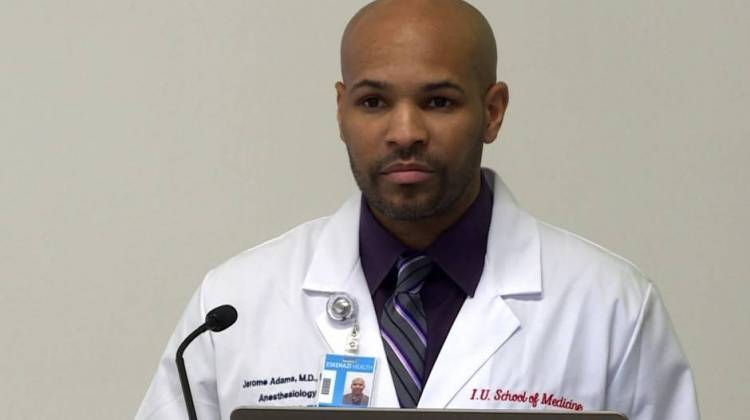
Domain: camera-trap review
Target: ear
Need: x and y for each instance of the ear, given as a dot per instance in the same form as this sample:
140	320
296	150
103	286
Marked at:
340	93
495	104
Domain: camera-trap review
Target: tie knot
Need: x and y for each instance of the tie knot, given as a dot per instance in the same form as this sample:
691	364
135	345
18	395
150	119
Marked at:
412	271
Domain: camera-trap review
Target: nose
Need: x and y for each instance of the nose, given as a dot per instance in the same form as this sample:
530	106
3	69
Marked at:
406	126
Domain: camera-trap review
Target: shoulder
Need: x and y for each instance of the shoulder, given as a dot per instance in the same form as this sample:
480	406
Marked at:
590	287
585	272
296	243
275	271
276	264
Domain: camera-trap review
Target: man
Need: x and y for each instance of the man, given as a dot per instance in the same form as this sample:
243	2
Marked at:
357	396
465	300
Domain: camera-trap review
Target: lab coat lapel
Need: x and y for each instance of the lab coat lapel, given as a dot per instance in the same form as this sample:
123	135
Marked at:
335	267
485	321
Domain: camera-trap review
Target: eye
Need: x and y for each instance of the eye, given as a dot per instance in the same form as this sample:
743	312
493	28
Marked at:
440	102
372	102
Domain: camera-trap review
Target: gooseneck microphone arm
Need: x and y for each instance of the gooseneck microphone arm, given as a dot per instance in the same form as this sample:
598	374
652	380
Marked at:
183	373
218	319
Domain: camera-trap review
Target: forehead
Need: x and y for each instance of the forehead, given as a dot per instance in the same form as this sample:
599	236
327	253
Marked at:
407	51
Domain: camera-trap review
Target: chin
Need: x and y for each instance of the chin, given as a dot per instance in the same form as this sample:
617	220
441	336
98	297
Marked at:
410	210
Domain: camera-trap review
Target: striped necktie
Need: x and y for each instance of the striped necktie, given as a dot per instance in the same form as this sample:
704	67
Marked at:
404	329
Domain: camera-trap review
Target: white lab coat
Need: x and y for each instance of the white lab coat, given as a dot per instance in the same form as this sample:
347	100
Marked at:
556	321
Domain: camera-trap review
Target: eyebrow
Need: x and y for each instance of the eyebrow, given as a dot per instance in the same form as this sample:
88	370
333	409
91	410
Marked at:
375	84
444	84
429	87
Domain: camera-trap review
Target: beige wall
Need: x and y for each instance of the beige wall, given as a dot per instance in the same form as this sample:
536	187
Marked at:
143	142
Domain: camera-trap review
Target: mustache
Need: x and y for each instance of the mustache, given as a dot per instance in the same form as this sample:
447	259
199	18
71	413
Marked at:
414	153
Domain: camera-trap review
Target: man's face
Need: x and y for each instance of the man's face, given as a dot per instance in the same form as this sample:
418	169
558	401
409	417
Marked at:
412	117
358	385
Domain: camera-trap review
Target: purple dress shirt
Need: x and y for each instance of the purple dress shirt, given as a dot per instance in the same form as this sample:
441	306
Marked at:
459	256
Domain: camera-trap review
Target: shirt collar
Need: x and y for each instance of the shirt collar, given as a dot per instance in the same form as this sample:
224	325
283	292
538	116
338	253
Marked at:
459	251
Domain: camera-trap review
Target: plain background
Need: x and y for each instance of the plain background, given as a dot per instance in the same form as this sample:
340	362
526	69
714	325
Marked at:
144	142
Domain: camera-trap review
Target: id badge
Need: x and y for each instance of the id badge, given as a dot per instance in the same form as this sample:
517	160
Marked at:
346	381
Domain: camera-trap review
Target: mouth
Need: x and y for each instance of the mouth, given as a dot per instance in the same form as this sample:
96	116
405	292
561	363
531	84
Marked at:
407	172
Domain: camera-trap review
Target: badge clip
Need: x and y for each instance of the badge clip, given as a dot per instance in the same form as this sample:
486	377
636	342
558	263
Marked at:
352	341
343	308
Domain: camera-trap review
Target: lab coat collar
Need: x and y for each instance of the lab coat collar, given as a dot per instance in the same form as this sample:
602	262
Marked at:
335	267
336	251
512	264
486	321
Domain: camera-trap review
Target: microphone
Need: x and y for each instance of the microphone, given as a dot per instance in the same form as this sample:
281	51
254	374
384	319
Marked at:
217	319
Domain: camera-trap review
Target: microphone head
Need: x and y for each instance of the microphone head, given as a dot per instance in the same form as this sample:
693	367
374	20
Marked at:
221	318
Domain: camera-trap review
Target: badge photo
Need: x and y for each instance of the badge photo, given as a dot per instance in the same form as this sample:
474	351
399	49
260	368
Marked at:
346	381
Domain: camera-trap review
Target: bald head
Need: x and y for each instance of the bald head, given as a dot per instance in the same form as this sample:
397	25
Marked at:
418	101
457	29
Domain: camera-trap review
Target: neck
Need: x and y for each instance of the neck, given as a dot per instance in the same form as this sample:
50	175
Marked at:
419	234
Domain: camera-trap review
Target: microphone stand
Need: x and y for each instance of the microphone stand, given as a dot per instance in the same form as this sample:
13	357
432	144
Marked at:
183	373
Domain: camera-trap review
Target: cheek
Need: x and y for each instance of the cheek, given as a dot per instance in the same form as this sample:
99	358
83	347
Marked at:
361	137
455	137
